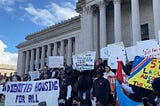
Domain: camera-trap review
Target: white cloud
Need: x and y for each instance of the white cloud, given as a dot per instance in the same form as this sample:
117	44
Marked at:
51	14
40	16
7	5
7	57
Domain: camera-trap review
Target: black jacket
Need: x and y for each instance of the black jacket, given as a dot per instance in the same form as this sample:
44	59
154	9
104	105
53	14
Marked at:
101	90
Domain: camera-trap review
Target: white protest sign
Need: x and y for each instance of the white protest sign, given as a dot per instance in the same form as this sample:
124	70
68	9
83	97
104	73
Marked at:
34	75
1	89
148	48
31	93
131	53
84	61
56	61
116	53
104	53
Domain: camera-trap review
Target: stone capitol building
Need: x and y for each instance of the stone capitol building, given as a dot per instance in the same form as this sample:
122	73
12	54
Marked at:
100	22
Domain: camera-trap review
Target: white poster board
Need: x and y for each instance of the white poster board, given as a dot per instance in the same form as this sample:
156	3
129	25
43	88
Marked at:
131	53
148	48
84	61
56	61
1	89
31	93
116	53
34	75
104	54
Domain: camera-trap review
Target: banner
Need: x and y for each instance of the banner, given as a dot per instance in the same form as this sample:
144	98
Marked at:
123	100
31	93
144	71
84	61
34	75
56	61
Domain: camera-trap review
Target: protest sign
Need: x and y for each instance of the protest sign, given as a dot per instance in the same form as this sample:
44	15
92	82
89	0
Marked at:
84	61
148	48
144	71
31	93
34	75
131	53
116	53
104	53
56	61
1	89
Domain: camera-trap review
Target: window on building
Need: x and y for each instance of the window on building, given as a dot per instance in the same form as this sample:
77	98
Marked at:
144	32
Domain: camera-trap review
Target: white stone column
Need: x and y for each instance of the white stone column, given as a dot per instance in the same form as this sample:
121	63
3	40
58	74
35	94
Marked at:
136	32
43	56
21	63
103	33
117	21
27	62
37	57
55	49
32	61
69	52
89	34
48	53
62	48
156	14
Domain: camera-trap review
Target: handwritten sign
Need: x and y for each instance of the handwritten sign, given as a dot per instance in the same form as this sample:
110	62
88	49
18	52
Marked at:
145	72
148	48
31	93
104	53
84	61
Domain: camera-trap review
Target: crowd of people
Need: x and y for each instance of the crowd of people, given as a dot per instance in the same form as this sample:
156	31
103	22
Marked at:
82	88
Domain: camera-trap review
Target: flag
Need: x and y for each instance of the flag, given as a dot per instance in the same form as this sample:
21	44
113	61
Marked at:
119	71
123	100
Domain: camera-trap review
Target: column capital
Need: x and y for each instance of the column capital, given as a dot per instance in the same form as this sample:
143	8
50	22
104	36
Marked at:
117	1
89	9
102	4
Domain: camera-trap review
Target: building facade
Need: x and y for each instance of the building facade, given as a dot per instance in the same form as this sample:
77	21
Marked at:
101	22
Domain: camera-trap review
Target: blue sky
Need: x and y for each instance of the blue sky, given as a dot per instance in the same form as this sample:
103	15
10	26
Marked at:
19	18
